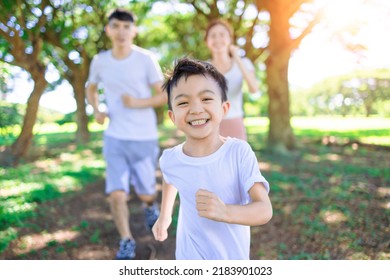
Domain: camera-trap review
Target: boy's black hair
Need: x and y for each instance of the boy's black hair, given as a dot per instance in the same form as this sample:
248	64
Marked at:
186	67
122	15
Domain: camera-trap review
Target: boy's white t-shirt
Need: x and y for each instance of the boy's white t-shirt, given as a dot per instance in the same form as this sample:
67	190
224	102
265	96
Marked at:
133	75
235	80
229	173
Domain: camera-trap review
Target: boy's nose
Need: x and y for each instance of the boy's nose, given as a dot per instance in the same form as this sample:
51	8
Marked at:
196	108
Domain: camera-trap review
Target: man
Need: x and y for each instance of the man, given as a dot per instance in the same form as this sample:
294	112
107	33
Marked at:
128	74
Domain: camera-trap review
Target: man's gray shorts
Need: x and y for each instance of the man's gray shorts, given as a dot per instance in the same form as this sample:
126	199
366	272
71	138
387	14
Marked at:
130	162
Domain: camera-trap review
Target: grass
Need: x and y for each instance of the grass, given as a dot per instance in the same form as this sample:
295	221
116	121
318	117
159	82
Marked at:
66	171
331	201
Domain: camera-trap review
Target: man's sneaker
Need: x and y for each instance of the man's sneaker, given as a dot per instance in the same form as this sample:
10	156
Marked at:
151	216
126	250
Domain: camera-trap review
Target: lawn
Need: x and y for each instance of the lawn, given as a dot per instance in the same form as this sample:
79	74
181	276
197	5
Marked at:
331	196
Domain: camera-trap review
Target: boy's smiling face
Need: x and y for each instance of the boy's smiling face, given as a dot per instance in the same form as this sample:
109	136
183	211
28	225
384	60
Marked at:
197	107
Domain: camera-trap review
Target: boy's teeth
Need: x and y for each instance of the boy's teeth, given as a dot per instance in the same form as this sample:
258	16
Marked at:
198	122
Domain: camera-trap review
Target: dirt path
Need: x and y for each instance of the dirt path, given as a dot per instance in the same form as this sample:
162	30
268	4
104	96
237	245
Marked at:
79	227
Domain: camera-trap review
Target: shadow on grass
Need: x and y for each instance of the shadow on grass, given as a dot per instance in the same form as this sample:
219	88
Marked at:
330	202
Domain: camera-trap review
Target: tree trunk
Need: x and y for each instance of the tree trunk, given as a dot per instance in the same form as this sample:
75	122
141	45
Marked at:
82	133
280	134
22	144
77	76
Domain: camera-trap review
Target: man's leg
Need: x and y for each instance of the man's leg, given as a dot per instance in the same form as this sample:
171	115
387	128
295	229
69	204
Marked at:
148	200
143	172
151	210
120	213
117	188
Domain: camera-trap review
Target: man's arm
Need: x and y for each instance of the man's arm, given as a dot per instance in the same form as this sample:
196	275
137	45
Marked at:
93	100
258	212
158	99
160	228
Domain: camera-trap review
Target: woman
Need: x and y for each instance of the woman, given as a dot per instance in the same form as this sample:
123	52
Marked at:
225	57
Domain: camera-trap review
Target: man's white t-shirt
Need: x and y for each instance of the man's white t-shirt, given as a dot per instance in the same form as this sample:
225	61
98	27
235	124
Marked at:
133	75
229	173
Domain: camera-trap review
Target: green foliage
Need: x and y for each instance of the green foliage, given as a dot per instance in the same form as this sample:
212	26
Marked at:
9	115
95	238
180	37
358	93
68	118
71	118
6	237
6	75
82	226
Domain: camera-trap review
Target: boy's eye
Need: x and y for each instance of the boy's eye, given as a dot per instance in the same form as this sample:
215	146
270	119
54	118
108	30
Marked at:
182	103
207	99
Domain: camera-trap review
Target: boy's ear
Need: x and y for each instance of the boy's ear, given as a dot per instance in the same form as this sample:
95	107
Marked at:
225	107
171	115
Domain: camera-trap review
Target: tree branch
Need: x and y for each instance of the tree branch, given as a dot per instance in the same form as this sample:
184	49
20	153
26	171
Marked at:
296	42
197	8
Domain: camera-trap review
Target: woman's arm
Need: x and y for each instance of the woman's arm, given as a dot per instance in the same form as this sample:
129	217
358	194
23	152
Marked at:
249	76
258	212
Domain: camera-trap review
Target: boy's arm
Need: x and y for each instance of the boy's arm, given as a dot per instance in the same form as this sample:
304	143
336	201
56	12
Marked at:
258	212
160	228
158	99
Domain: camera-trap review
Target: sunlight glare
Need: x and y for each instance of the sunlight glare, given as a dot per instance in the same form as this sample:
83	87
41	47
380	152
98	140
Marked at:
350	36
341	15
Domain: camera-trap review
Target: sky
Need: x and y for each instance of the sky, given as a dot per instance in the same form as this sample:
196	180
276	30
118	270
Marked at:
319	56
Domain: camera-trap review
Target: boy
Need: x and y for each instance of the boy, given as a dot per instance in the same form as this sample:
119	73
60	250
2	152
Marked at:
128	73
221	189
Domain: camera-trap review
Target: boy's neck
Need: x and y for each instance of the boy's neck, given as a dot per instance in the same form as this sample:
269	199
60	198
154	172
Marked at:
202	147
121	53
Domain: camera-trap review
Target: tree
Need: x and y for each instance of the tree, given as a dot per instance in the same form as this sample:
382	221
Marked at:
271	17
75	30
22	45
281	45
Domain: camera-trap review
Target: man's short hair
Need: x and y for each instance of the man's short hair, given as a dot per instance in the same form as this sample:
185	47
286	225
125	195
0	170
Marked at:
122	15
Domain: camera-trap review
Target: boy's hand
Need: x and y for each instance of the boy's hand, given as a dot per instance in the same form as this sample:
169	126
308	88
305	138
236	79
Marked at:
160	228
210	206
